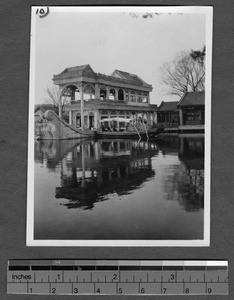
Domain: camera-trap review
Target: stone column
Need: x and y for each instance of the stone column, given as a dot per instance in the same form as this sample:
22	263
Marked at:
181	116
88	120
70	117
96	119
97	91
83	165
116	94
181	152
107	93
60	106
155	117
81	107
109	114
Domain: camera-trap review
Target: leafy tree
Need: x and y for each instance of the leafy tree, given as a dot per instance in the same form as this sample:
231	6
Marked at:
186	73
199	55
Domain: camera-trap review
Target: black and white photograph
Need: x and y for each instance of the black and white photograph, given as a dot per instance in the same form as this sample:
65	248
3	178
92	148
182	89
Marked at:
119	126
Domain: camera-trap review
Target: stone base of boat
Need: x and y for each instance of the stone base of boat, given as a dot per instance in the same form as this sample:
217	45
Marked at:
51	127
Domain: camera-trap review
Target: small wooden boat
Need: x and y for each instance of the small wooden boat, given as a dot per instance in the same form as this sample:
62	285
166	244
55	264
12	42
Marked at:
133	130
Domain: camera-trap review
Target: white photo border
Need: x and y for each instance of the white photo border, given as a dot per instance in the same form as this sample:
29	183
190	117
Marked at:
30	241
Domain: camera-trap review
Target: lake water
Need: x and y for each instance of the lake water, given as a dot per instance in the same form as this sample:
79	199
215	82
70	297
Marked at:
119	189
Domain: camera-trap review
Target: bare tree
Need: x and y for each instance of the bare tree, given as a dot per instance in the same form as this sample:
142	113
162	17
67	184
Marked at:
53	95
185	73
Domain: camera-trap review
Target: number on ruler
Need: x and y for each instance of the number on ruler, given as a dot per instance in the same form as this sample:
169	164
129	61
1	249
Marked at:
209	290
75	291
53	291
114	276
187	291
142	290
164	290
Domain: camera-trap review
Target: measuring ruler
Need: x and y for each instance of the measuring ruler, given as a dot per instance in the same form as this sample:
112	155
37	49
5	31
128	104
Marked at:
117	277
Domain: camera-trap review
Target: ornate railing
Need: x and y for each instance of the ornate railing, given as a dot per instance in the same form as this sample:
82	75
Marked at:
167	125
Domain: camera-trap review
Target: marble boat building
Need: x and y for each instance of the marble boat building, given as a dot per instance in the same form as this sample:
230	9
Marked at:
89	101
88	97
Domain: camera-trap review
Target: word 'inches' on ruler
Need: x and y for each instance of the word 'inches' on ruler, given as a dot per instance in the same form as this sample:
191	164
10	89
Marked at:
116	277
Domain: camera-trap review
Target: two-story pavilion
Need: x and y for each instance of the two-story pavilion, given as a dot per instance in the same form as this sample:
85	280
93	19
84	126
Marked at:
89	97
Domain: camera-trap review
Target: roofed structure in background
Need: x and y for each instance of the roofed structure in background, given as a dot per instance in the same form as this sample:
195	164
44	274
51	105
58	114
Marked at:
192	99
192	109
168	106
168	112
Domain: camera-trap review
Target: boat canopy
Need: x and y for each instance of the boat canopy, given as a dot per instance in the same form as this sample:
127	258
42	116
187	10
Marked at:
117	119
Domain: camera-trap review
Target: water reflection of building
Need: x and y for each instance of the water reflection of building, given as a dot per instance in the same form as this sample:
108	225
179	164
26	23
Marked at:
90	170
186	182
169	144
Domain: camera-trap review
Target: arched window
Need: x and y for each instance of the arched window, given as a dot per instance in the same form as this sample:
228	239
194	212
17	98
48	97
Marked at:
70	93
78	120
102	94
139	117
89	92
145	119
91	120
120	95
112	94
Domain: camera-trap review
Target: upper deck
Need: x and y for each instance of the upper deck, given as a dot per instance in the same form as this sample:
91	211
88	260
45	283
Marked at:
82	82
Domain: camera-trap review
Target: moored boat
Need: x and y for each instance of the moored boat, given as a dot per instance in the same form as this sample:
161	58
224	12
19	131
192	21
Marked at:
131	129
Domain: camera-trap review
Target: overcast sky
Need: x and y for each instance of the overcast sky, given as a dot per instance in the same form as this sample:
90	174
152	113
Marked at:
109	41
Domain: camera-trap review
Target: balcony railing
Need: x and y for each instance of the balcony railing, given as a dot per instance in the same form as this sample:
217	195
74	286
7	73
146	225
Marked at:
167	125
196	122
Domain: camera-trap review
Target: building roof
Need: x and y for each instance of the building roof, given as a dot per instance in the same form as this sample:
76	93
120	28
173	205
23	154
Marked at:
168	106
119	77
192	99
129	77
77	68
